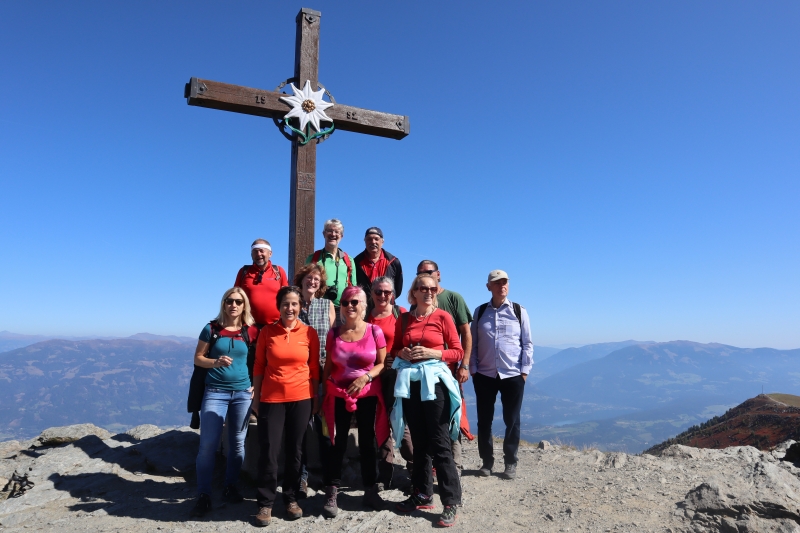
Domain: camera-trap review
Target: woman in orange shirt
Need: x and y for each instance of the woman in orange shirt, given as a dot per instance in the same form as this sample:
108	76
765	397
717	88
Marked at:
285	381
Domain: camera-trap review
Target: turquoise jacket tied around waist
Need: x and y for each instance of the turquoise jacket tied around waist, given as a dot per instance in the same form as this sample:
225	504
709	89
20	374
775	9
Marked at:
429	372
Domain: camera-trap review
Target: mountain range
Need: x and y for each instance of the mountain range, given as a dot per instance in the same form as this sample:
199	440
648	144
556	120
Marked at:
11	341
114	383
641	394
624	396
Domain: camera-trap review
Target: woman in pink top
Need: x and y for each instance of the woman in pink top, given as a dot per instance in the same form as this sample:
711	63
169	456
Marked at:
356	351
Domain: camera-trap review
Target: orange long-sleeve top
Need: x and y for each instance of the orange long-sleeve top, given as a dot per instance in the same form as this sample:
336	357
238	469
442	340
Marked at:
287	359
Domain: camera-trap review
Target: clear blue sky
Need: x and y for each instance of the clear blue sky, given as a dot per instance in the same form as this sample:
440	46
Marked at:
633	165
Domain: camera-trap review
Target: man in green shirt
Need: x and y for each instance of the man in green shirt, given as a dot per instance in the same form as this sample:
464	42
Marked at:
454	304
339	267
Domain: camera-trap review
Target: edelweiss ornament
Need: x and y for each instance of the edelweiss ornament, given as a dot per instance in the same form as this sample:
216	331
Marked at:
308	106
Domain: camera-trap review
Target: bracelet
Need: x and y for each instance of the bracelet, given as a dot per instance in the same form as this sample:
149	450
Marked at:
369	377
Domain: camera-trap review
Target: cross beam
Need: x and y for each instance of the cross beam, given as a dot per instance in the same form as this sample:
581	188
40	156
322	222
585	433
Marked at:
263	103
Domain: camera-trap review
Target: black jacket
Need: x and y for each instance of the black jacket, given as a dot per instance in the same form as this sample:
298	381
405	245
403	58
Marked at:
394	271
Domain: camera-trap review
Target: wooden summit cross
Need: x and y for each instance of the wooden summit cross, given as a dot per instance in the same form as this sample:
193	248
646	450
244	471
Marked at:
217	95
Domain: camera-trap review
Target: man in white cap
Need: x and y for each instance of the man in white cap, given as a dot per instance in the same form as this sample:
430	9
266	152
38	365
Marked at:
500	361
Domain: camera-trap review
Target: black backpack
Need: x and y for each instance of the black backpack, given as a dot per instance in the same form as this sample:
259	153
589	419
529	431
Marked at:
197	384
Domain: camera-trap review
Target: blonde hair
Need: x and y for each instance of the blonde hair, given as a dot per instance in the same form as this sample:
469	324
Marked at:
246	317
415	285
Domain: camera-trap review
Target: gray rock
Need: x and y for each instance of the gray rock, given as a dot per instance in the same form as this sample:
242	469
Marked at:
544	445
761	489
66	434
145	431
9	447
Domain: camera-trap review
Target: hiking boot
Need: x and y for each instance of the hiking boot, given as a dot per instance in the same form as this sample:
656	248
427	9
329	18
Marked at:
511	471
264	516
293	511
372	498
302	489
448	516
231	495
414	502
330	509
201	506
485	470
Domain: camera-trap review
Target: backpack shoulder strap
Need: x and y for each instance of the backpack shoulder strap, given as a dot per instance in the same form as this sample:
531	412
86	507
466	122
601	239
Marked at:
517	312
395	310
403	325
348	264
215	332
241	275
277	272
481	310
316	256
245	333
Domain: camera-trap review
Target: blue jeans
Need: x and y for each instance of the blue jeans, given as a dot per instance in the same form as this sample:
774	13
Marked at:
216	404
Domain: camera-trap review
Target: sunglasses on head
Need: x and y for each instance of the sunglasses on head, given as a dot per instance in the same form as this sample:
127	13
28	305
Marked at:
381	293
423	288
231	301
428	272
348	303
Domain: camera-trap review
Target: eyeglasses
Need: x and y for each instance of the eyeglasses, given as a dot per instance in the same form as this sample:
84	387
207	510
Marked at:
428	272
423	288
381	293
231	301
349	303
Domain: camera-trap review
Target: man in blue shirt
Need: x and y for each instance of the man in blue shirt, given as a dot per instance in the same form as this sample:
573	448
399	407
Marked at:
500	360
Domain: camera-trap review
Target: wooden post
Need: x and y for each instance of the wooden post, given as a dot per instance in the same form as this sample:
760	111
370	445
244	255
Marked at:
304	157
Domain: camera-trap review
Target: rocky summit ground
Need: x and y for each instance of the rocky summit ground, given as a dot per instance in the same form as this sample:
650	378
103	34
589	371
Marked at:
84	478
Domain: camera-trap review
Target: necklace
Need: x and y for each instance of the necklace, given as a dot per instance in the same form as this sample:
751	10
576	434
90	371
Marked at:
427	319
426	315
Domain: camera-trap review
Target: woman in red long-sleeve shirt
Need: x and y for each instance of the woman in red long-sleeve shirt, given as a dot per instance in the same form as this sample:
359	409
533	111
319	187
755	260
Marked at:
423	334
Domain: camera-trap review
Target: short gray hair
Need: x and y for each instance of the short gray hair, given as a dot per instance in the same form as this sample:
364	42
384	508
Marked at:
333	222
383	279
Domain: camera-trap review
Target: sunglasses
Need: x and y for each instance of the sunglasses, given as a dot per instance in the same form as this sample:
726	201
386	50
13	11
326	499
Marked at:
381	293
231	301
423	288
349	303
428	272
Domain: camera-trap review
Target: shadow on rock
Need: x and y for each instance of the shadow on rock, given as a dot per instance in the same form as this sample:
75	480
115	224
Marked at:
171	453
111	495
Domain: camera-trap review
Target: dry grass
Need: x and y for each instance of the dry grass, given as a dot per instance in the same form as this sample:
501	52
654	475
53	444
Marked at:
788	399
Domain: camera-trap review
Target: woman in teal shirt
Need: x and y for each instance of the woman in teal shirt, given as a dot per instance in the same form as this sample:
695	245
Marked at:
222	349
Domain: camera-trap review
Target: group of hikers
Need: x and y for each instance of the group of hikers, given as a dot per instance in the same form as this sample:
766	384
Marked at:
333	343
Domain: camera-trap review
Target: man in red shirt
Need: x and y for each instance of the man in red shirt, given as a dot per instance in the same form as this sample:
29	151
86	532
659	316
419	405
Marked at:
261	282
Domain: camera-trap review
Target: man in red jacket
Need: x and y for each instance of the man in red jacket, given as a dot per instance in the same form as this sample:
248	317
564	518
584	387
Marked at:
375	262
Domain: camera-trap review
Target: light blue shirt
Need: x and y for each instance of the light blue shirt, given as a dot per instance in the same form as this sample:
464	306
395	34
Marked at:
429	373
501	344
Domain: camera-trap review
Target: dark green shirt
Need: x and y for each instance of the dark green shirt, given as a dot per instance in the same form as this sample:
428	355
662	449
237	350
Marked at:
454	304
